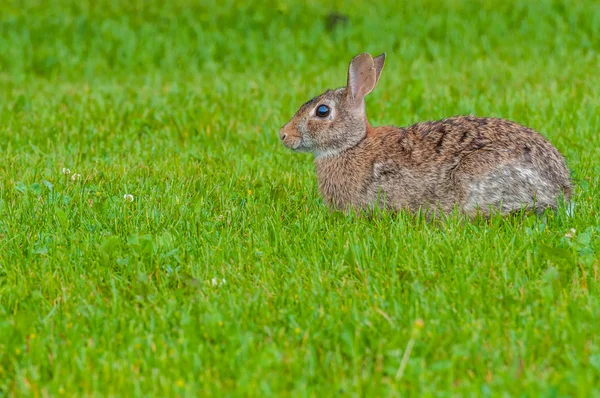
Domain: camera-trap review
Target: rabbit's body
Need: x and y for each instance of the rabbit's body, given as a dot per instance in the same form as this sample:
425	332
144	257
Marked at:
465	162
469	163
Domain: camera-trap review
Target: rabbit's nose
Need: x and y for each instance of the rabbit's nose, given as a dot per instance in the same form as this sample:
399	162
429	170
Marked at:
282	134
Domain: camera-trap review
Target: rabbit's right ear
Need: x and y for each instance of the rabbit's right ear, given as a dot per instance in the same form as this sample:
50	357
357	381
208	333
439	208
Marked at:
362	77
378	61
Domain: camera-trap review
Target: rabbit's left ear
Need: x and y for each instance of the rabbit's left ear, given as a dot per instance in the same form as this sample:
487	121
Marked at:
362	77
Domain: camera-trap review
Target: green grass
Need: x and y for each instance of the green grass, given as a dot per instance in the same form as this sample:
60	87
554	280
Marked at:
179	104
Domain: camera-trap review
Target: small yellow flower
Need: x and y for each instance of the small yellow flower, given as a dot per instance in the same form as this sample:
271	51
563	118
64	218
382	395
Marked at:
17	351
220	324
180	383
32	336
297	330
250	192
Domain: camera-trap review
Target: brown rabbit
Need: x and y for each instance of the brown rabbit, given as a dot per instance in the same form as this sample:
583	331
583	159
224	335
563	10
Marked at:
478	165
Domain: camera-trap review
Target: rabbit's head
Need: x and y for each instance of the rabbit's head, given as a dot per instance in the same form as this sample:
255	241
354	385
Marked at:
335	120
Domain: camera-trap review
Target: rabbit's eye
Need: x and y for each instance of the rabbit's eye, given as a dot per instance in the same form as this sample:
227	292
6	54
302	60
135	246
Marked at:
323	111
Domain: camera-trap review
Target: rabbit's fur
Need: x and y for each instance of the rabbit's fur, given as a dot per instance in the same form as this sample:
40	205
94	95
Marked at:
478	165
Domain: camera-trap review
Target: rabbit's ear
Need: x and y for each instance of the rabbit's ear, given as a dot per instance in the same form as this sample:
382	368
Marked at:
378	61
362	77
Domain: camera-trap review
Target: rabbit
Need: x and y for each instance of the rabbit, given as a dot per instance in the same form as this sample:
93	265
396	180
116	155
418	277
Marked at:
473	164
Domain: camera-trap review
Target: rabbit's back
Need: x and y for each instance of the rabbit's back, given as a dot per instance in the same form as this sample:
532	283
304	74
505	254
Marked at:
481	162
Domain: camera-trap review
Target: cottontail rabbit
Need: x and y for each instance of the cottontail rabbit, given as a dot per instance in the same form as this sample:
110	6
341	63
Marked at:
478	165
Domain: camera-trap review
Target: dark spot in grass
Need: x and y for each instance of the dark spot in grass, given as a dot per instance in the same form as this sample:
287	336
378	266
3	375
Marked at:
334	19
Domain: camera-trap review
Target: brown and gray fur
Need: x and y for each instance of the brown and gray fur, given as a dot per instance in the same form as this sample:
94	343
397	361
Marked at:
478	165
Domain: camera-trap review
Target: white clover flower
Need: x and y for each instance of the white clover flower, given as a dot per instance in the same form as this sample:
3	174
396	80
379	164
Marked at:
66	171
217	282
75	176
571	233
128	197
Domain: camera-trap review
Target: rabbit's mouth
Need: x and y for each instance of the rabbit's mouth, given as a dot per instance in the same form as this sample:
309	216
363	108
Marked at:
291	141
300	147
293	138
296	145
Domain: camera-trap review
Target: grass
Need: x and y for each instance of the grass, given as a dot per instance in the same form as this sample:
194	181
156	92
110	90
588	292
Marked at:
179	104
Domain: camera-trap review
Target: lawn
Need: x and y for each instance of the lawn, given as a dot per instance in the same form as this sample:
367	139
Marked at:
156	238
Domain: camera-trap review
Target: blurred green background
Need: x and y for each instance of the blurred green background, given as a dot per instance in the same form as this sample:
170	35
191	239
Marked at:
179	104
